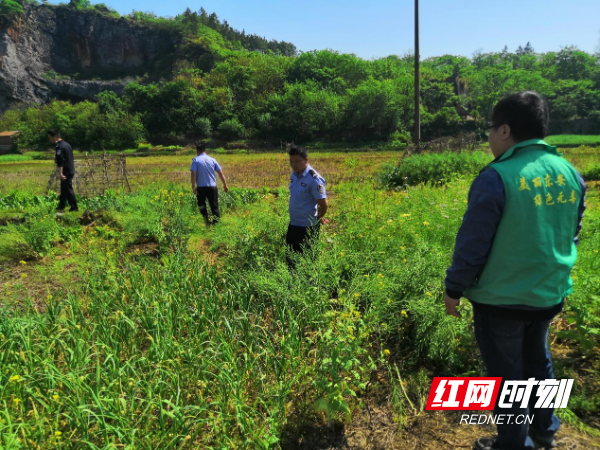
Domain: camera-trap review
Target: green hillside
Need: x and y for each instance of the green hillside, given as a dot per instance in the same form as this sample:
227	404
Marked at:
228	85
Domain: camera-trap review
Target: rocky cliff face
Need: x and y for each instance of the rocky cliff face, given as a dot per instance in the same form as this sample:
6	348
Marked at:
95	51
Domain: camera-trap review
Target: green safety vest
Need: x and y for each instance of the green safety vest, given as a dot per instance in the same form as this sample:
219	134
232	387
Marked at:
533	250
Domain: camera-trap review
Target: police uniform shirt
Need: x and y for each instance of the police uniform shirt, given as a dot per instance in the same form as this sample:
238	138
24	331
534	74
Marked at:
64	158
205	168
305	190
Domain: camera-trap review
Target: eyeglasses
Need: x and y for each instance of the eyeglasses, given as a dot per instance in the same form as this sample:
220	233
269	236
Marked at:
486	130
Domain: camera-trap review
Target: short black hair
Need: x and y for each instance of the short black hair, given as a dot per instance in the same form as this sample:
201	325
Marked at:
53	133
297	150
526	113
200	146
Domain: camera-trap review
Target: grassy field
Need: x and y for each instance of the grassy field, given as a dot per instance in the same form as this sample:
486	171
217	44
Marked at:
242	170
573	140
15	158
131	325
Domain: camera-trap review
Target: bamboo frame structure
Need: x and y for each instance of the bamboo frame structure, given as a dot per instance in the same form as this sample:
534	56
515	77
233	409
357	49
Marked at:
95	174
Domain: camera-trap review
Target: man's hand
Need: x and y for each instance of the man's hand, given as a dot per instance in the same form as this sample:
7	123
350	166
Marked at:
63	177
226	188
324	221
195	189
451	305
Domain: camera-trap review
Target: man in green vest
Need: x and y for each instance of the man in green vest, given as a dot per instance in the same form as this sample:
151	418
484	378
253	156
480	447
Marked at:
513	256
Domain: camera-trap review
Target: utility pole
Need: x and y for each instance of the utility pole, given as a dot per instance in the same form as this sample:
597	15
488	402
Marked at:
417	137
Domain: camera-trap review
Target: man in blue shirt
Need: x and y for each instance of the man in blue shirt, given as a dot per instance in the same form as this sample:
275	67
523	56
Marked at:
308	202
204	183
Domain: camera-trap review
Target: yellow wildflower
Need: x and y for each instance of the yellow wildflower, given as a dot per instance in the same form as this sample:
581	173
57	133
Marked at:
386	352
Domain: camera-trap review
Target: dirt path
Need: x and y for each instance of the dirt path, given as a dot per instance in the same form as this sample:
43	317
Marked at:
374	428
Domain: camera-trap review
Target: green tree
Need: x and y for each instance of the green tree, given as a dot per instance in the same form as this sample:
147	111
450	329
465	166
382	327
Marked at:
375	109
80	4
573	64
488	85
202	126
10	8
325	67
232	129
304	112
573	100
110	103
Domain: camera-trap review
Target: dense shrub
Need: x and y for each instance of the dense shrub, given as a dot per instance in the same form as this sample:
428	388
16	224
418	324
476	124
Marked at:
42	233
83	125
238	197
434	168
232	129
202	126
14	247
15	158
592	174
23	200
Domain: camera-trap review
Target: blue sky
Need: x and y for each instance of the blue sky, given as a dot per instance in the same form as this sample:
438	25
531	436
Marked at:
379	28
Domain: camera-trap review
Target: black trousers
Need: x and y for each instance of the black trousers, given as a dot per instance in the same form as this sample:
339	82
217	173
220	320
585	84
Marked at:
210	193
299	239
67	194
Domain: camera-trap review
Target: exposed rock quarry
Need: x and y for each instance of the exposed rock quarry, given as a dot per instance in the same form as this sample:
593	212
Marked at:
88	51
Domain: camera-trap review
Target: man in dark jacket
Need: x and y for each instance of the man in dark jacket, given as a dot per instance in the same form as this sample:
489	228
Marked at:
513	257
66	169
